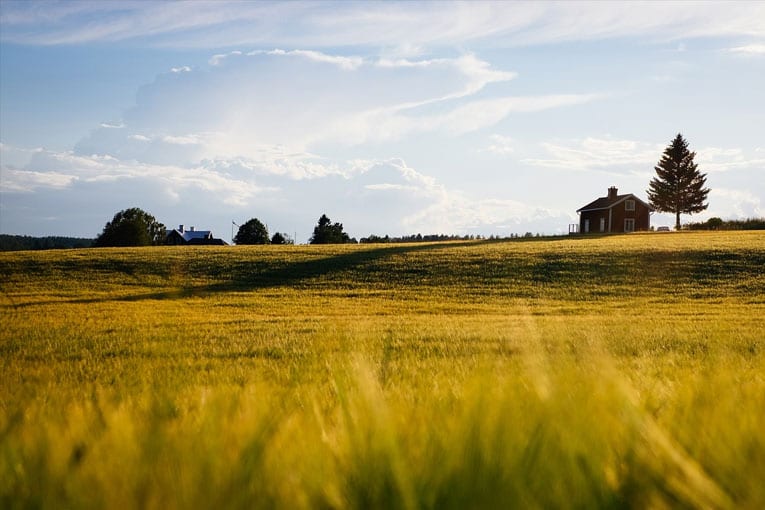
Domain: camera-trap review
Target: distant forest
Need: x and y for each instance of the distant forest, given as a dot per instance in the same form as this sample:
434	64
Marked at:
16	243
720	224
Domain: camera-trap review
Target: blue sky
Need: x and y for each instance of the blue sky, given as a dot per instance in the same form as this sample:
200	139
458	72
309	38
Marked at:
392	118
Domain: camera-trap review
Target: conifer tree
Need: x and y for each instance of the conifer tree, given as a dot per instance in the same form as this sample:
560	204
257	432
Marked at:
678	186
325	232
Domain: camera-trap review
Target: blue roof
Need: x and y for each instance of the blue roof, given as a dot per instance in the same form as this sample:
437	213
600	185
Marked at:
188	235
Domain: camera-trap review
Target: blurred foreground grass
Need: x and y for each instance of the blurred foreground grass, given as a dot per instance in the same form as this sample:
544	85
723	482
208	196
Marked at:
624	371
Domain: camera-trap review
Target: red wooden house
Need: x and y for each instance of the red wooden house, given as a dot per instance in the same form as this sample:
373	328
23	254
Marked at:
615	213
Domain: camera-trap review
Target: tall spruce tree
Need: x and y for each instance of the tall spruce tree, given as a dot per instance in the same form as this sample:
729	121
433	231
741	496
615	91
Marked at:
678	186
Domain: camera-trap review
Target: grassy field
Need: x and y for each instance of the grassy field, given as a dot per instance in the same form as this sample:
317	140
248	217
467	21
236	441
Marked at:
623	371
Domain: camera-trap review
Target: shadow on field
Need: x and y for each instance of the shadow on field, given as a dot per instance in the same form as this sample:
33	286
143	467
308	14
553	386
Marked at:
570	275
243	275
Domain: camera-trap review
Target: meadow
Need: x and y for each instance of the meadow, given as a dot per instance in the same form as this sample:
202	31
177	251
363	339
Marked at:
601	372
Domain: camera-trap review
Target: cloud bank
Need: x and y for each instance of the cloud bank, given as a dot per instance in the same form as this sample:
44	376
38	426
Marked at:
245	137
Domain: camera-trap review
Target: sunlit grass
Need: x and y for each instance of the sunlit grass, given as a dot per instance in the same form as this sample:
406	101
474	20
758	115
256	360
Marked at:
624	371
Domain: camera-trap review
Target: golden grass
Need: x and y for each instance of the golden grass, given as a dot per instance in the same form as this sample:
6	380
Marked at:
623	371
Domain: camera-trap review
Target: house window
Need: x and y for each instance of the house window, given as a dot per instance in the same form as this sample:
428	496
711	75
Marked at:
586	226
629	225
602	224
629	205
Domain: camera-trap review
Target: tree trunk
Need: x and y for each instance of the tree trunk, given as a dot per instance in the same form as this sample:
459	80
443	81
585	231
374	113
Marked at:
677	220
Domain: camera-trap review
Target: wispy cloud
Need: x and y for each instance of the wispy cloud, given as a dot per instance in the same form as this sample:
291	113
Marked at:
182	140
476	115
217	59
394	123
717	159
24	181
634	157
182	69
602	154
107	125
750	50
343	62
500	145
380	25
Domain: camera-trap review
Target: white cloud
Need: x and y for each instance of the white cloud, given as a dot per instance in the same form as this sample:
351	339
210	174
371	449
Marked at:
182	140
733	204
603	154
397	122
107	125
455	212
217	59
182	69
389	187
15	180
750	50
478	73
13	156
382	196
485	113
500	145
716	159
347	63
621	157
65	169
234	109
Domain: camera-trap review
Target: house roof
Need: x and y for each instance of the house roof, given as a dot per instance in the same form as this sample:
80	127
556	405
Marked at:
608	203
189	235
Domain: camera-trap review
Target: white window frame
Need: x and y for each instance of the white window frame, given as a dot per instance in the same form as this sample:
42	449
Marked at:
629	224
629	205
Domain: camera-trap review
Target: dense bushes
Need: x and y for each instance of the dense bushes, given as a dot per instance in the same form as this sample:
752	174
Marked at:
719	224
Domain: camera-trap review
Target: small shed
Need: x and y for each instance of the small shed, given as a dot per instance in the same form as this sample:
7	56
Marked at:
615	213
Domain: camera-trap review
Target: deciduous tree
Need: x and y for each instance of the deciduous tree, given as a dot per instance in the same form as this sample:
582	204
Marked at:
252	232
132	227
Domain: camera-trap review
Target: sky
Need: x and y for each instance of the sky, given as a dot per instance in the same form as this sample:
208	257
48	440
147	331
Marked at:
482	118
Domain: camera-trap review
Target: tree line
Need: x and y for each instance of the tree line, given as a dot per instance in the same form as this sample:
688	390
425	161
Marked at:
720	224
678	188
18	243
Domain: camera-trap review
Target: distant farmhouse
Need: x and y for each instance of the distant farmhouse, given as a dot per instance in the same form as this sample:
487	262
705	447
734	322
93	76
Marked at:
614	213
180	236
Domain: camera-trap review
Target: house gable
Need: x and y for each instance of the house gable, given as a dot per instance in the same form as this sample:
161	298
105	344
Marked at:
610	214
